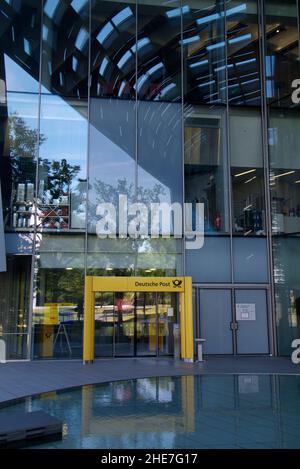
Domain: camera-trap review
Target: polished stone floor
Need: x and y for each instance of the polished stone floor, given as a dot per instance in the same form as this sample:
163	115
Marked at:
20	379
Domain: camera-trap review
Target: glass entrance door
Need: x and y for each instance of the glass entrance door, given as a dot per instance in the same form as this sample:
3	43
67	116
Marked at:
125	324
146	324
129	324
104	324
166	313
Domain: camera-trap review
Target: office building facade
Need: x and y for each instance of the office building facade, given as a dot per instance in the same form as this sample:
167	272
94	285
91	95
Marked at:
162	101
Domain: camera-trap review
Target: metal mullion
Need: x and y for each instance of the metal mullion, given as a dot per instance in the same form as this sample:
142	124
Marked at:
228	155
30	342
266	160
226	286
136	129
183	260
88	140
157	324
114	327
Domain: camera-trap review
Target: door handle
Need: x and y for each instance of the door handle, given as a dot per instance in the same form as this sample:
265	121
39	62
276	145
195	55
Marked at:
234	326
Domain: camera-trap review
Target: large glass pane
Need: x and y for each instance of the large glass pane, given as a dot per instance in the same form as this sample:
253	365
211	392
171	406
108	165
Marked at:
58	296
284	146
112	154
247	173
286	252
212	262
155	257
205	166
158	51
18	150
159	124
14	306
159	153
282	67
65	47
112	121
243	54
250	260
20	34
282	58
62	164
113	49
204	51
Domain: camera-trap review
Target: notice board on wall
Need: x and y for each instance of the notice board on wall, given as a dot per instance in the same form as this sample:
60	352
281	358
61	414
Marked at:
245	312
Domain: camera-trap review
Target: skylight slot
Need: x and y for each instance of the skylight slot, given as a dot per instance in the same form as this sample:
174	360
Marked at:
216	46
122	16
123	60
77	5
190	40
177	11
81	39
243	37
50	7
105	33
27	47
145	41
199	64
103	66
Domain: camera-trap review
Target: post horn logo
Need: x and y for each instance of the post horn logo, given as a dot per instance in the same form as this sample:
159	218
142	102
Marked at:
177	283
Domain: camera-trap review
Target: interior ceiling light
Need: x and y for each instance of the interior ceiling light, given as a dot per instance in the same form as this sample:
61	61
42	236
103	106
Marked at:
244	173
284	174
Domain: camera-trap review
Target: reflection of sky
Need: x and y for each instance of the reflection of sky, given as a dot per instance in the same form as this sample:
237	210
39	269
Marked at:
17	79
65	130
110	163
25	106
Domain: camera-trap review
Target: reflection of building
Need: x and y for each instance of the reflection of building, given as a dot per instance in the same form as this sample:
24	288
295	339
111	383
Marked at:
175	107
134	414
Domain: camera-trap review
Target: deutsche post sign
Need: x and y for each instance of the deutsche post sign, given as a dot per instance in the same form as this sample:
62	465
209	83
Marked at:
135	284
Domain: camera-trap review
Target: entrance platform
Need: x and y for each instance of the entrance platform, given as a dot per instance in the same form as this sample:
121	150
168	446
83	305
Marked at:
23	379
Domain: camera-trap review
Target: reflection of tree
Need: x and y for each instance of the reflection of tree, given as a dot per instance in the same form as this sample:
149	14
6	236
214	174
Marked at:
59	174
23	143
62	286
108	193
133	250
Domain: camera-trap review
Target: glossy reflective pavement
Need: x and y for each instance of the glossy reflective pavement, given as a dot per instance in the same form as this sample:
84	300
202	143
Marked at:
232	411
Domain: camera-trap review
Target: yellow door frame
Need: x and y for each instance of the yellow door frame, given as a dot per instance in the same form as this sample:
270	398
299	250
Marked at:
181	285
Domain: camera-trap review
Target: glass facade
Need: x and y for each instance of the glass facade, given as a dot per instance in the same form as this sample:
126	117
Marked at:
164	102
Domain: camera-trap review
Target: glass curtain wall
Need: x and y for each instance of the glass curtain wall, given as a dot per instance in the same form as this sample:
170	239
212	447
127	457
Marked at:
205	135
282	67
223	152
160	102
19	98
61	181
250	253
134	130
